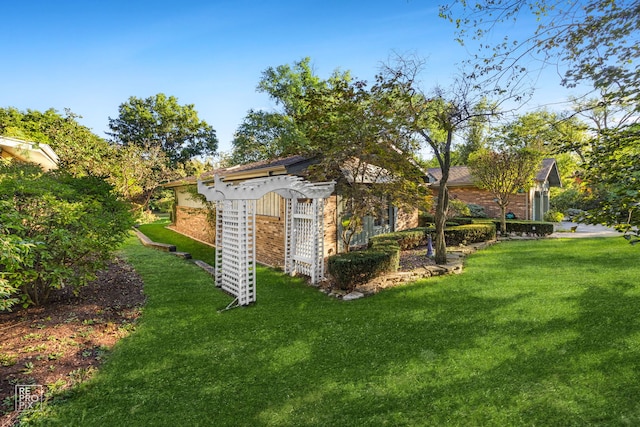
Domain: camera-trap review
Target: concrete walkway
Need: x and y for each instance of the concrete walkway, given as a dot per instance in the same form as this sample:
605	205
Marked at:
563	229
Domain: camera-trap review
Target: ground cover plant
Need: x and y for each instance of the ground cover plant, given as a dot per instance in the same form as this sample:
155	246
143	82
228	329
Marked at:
532	333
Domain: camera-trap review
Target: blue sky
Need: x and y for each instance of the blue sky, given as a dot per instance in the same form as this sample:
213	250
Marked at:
92	56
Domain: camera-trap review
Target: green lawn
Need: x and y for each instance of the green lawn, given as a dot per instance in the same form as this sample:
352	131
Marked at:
533	333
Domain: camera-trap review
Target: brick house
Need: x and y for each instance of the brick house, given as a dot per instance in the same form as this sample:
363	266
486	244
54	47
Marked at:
529	204
190	212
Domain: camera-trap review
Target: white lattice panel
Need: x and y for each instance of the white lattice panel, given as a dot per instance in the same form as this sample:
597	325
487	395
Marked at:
235	262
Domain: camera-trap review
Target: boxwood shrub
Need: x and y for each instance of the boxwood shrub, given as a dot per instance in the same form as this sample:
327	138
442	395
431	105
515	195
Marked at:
471	233
406	239
354	268
539	228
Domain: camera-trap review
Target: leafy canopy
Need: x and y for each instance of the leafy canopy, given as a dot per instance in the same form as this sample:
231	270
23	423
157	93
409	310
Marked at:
594	41
56	230
159	121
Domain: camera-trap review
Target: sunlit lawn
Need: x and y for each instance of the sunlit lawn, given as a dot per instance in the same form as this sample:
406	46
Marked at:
532	333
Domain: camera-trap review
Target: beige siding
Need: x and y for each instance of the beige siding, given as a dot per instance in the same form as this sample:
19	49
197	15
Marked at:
185	199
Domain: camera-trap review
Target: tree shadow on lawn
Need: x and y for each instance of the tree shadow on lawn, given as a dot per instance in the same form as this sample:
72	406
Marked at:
429	353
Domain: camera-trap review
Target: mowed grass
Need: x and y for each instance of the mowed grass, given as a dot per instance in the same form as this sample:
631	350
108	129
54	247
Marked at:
532	333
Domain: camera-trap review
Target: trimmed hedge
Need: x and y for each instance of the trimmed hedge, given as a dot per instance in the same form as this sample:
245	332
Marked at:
539	228
471	233
354	268
383	255
405	239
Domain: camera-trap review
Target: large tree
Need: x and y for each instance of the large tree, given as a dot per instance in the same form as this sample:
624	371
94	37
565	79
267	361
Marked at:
80	151
434	118
266	135
356	146
160	121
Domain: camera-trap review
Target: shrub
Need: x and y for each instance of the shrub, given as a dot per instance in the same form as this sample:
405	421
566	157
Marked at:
425	218
457	208
539	228
476	211
462	221
58	230
393	249
553	216
405	239
354	268
471	233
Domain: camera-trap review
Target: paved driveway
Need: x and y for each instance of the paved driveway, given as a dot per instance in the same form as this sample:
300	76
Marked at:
583	230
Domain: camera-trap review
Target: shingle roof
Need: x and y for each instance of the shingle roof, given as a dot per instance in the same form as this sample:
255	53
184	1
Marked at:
460	176
286	162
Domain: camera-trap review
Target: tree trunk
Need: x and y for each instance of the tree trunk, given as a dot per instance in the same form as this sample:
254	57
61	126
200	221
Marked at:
441	220
503	220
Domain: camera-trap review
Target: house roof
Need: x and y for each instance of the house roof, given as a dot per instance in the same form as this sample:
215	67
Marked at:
292	165
28	151
461	176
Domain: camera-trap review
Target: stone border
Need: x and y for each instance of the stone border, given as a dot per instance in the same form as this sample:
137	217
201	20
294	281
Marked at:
454	265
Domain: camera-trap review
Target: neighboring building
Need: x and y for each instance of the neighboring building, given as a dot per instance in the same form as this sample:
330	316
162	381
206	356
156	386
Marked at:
26	151
190	213
529	204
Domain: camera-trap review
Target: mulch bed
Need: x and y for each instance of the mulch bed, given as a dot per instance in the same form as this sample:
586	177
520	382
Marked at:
62	343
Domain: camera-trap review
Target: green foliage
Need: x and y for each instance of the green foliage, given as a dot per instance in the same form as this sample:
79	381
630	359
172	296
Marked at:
425	219
613	173
268	135
406	239
56	230
354	268
471	233
457	208
80	151
594	41
553	216
476	211
159	121
539	228
569	198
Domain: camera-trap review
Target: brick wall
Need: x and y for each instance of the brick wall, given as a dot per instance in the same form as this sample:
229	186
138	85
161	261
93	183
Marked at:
193	222
270	231
517	205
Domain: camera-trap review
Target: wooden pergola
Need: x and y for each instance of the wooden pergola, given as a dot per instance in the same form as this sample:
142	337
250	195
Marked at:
235	262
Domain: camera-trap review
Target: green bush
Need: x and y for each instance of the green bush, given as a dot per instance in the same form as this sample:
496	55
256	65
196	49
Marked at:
56	231
425	219
405	239
553	216
476	211
539	228
462	220
354	268
393	249
470	233
457	208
